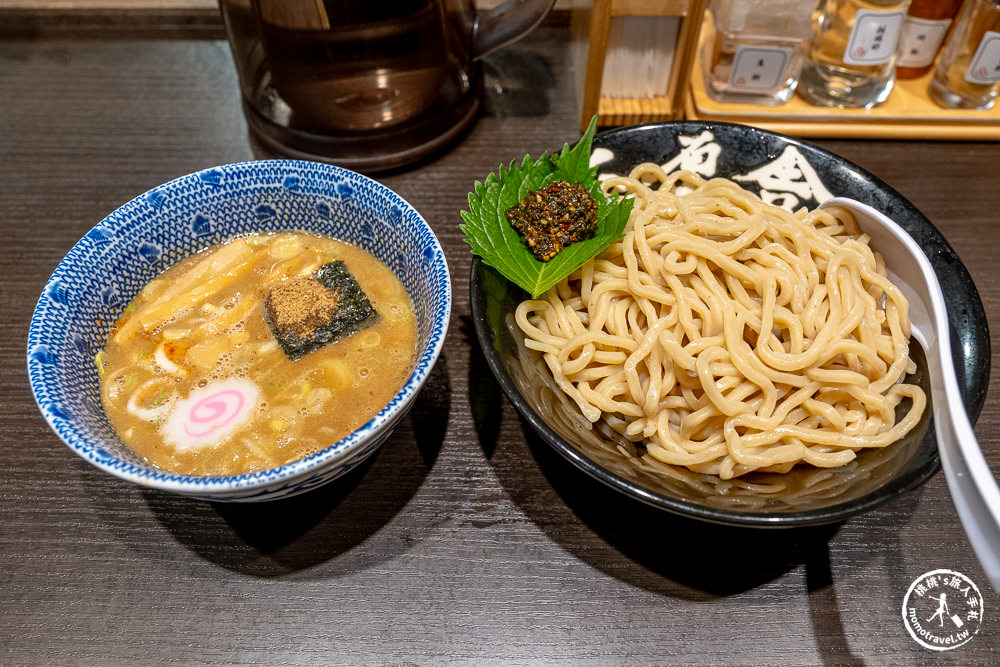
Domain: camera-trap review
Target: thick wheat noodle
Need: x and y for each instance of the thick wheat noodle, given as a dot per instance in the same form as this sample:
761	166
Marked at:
729	335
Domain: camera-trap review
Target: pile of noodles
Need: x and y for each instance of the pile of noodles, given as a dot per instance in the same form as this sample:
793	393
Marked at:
728	335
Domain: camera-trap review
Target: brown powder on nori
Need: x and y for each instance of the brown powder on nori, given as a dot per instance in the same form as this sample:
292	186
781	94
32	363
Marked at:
305	314
301	305
553	217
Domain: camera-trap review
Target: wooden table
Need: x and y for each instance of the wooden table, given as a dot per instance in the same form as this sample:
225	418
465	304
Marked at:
453	546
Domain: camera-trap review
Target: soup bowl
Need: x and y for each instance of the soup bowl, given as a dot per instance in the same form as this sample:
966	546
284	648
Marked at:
789	173
103	272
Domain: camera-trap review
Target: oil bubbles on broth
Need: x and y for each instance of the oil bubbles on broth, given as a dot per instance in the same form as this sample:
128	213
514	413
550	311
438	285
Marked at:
196	380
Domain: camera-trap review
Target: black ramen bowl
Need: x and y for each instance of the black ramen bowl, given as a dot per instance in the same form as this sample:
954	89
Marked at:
790	173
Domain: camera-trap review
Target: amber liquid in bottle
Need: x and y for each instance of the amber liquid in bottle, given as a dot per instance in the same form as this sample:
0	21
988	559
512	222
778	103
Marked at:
829	78
978	22
926	26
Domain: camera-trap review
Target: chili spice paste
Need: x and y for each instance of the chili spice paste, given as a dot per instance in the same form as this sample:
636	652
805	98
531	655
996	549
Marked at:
553	217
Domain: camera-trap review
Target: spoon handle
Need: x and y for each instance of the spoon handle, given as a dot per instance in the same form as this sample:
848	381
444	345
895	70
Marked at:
973	487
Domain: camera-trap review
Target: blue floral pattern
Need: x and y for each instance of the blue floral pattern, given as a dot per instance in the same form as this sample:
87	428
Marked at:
108	266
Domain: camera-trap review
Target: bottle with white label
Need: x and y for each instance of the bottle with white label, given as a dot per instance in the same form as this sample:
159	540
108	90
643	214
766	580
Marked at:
967	75
924	30
852	59
757	50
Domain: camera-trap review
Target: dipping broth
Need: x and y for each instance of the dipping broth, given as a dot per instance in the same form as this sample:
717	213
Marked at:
194	381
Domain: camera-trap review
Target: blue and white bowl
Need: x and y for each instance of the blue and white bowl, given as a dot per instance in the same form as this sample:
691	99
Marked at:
108	266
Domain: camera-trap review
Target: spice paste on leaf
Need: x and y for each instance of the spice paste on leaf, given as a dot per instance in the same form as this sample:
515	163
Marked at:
553	217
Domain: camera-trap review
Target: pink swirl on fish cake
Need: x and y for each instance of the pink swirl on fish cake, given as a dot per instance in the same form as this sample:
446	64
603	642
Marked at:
210	414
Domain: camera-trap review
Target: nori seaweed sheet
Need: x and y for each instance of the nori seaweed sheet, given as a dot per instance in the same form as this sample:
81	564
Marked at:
354	313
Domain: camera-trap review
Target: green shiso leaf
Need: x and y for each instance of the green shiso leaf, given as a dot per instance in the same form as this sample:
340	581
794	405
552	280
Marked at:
493	238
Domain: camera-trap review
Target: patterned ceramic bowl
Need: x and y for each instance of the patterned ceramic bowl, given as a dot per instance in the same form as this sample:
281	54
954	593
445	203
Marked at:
109	265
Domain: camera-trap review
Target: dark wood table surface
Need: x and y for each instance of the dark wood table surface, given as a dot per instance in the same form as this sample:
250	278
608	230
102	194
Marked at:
462	545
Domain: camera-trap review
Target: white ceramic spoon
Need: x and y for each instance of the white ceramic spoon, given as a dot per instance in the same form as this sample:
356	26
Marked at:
973	487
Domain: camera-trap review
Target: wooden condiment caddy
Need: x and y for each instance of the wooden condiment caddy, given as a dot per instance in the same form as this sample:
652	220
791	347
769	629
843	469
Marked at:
907	114
591	23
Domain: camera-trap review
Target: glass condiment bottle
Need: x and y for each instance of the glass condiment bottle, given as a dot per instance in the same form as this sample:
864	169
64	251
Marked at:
757	50
967	75
924	30
851	60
